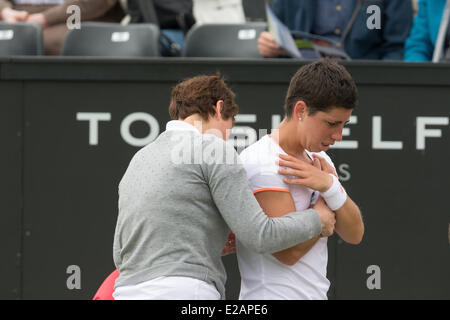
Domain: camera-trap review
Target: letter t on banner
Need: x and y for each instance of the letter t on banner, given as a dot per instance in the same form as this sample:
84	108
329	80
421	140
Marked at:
93	118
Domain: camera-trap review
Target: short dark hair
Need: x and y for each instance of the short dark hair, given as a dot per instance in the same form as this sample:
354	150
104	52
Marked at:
199	95
322	85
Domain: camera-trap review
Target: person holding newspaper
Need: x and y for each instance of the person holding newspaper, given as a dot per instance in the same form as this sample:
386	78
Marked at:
371	29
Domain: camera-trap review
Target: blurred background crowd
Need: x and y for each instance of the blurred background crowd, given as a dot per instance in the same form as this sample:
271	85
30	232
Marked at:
408	30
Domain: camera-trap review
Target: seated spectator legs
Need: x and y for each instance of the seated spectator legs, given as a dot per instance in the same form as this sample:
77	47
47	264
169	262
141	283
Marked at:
52	17
54	38
174	18
172	42
53	35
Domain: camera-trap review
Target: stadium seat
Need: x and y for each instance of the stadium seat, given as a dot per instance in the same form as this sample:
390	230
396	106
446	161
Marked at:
112	40
107	288
224	40
255	10
20	39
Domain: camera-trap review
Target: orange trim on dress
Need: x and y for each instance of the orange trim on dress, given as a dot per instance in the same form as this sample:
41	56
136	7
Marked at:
271	189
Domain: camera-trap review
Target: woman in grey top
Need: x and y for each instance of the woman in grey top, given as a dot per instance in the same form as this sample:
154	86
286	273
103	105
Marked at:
181	195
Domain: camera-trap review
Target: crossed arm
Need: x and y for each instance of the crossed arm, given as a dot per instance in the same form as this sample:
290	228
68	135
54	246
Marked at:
349	225
277	204
346	221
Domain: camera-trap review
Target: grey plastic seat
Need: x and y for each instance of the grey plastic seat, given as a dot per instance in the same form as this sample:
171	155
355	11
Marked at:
112	40
255	10
224	40
21	39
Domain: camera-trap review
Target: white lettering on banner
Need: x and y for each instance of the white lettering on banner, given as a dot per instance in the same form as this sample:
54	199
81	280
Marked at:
139	116
377	143
422	132
93	118
242	135
343	168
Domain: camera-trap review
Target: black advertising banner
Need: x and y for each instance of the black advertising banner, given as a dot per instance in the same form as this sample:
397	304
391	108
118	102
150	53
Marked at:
83	120
11	189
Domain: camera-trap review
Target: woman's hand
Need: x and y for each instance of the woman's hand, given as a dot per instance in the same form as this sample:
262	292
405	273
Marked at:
328	168
230	245
327	217
268	47
309	175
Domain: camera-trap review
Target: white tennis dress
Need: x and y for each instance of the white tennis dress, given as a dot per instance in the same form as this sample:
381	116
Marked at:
263	277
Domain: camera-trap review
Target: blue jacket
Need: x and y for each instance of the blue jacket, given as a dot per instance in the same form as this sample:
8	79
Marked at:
361	42
420	44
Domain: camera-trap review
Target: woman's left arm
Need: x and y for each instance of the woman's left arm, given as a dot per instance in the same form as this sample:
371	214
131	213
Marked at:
349	225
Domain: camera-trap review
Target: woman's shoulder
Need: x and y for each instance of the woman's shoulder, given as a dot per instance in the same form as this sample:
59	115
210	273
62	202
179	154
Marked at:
218	151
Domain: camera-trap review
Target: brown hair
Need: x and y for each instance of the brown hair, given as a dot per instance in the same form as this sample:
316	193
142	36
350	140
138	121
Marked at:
200	95
322	85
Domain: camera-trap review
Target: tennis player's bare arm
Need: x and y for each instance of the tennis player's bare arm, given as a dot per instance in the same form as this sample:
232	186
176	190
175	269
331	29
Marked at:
349	223
277	204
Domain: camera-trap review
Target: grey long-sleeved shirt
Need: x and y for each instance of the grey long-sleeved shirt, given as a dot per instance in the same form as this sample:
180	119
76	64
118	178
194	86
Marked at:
178	200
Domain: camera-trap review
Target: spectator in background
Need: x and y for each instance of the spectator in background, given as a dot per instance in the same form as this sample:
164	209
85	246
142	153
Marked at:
415	7
52	16
174	18
219	11
345	22
419	46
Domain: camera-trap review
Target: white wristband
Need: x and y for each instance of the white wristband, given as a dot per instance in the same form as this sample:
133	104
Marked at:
335	196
